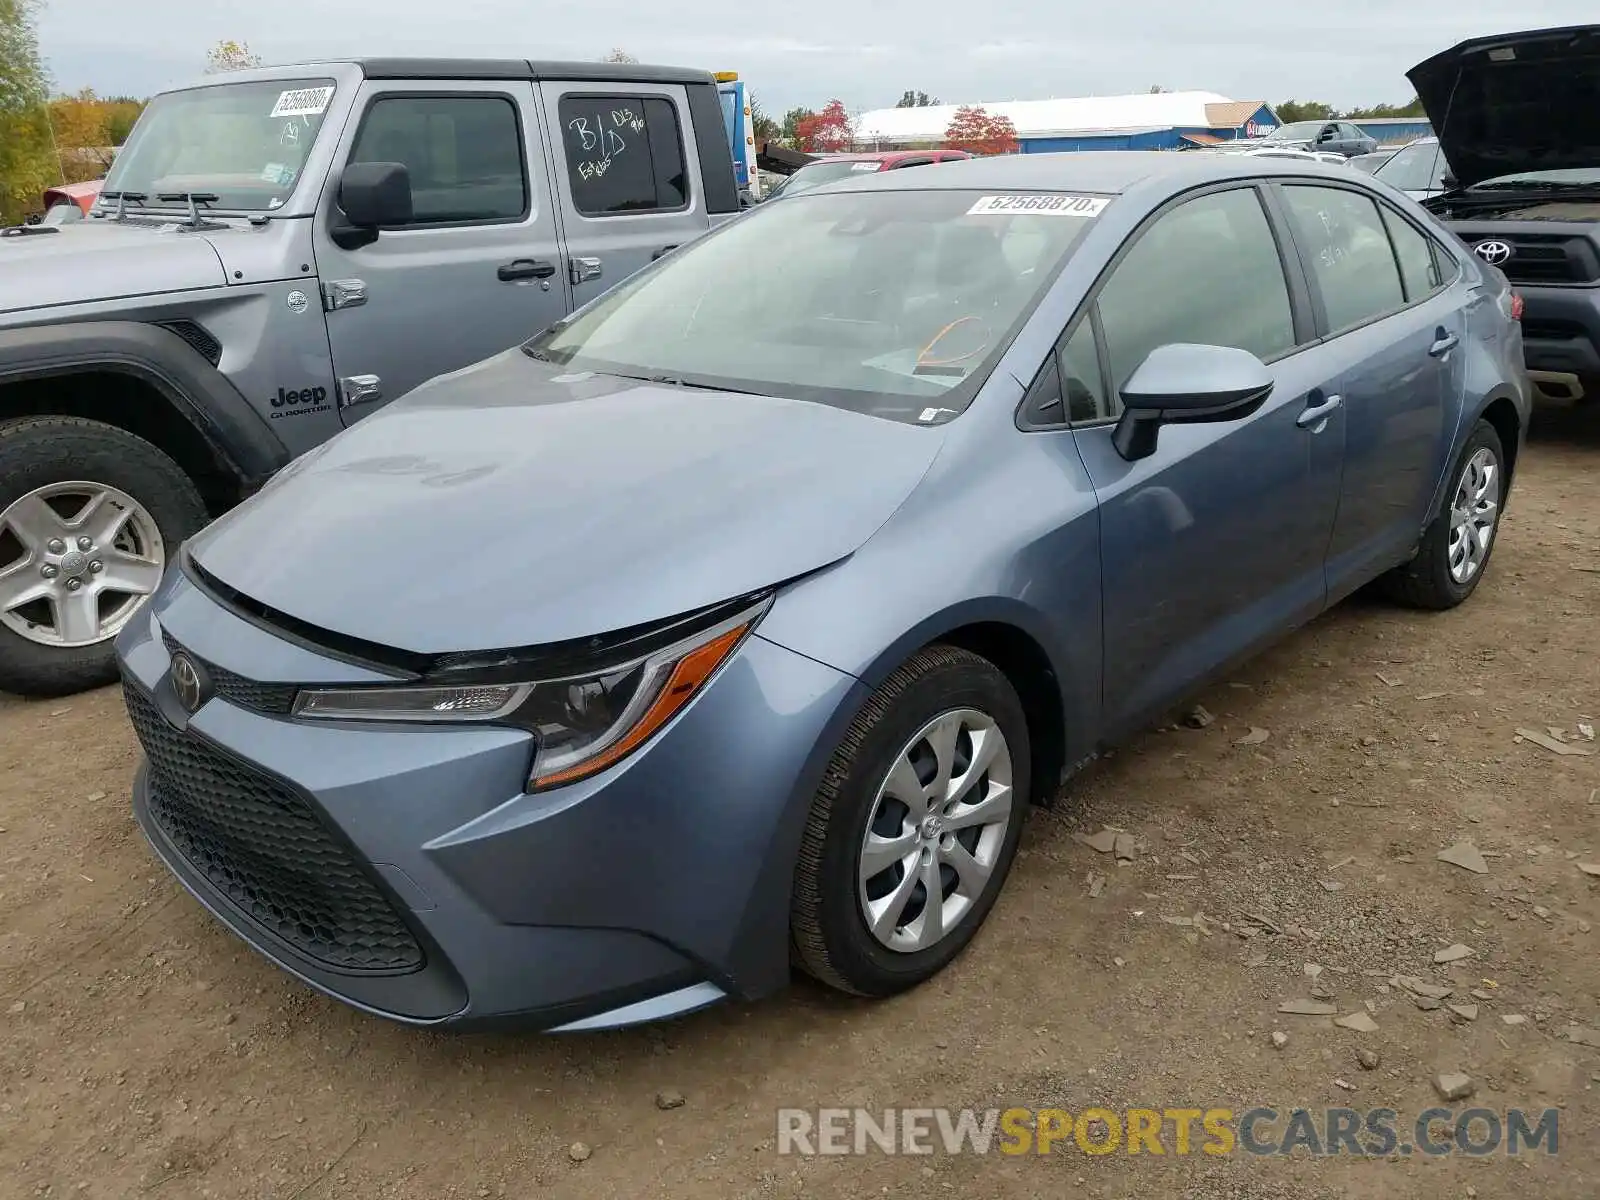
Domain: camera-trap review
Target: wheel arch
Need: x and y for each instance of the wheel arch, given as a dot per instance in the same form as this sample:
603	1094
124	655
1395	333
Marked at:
148	381
1011	636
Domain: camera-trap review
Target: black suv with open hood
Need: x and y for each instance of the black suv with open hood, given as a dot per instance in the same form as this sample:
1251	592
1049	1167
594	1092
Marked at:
1518	119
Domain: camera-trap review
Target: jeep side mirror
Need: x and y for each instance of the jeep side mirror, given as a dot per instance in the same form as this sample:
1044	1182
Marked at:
1184	384
372	196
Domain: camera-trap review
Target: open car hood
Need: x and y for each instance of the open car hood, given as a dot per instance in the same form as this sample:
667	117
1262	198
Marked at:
1515	102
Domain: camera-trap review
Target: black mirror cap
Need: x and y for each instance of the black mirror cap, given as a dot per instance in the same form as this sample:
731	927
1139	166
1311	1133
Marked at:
376	195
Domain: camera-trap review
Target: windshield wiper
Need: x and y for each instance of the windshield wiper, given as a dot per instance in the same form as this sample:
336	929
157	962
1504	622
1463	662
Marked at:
194	200
123	199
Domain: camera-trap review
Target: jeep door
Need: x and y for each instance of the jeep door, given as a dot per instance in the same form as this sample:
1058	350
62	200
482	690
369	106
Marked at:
628	179
477	269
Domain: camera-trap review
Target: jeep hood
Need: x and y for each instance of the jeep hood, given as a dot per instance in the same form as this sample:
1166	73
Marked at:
510	505
1517	102
87	261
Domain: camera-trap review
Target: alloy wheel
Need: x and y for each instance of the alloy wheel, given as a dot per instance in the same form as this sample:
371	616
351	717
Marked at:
1474	515
935	830
77	561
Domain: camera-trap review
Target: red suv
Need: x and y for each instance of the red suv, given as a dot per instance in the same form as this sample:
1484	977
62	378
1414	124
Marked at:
840	166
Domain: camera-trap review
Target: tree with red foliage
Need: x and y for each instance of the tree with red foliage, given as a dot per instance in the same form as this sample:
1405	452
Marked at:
978	131
826	132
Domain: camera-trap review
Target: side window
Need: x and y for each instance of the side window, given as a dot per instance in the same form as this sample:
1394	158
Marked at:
1347	252
1080	378
1418	270
1208	271
1349	133
464	155
624	154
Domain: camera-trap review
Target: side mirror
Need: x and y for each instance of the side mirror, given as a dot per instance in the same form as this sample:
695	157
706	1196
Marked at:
373	196
1184	384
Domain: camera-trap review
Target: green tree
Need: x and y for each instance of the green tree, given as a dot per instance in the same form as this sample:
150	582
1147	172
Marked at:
229	55
121	113
1291	111
27	162
766	129
916	100
789	130
1379	111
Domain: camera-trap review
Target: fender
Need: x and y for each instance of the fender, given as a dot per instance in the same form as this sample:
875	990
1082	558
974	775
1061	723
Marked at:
238	435
1463	432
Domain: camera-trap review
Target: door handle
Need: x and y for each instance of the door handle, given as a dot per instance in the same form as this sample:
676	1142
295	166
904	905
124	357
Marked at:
662	253
1444	345
1316	415
525	268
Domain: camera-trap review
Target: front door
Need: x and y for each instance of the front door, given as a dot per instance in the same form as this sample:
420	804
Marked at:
629	184
478	269
1380	299
1213	545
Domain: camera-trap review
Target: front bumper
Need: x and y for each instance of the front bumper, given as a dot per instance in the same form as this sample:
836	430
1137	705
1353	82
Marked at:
404	871
1561	340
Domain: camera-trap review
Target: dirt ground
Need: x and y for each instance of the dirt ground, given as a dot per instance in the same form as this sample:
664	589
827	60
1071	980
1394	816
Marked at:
143	1050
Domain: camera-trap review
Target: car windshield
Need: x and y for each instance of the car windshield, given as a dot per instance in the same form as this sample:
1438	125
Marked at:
1300	131
895	303
1567	177
1419	167
244	143
819	173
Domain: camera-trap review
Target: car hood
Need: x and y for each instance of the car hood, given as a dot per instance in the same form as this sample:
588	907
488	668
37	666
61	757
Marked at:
510	505
1516	102
97	260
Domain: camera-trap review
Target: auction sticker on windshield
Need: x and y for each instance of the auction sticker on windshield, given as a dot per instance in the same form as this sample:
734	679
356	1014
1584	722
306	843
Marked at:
302	102
1039	204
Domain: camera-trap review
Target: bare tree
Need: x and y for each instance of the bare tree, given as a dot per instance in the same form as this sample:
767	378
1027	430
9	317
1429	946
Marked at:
619	55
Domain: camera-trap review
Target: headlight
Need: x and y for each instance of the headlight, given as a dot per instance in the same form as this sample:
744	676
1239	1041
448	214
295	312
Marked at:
583	722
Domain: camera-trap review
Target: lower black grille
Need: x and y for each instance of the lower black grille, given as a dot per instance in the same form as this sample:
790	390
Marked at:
264	849
274	699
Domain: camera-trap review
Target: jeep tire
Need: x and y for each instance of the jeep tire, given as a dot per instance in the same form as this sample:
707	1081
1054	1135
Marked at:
62	478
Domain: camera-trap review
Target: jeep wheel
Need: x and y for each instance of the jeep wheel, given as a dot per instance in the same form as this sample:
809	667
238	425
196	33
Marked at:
89	517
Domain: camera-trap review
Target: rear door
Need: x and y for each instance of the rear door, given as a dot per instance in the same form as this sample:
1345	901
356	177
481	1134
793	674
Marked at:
1397	331
477	269
629	183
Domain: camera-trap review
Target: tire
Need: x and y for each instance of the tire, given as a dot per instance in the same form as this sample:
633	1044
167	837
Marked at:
828	925
53	452
1427	581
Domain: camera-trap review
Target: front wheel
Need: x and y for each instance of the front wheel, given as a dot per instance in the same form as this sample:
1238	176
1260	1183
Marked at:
89	517
914	828
1456	546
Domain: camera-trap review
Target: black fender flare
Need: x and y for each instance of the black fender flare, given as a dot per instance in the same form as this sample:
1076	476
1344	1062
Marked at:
241	439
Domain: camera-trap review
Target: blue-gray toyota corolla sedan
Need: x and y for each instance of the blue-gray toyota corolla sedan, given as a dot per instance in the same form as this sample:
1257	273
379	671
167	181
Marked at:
733	625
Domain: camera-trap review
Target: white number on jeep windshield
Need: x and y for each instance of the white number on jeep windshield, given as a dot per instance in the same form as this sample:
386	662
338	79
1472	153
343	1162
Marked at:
302	102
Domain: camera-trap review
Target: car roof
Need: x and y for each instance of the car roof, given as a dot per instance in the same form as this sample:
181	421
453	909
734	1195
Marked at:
1100	171
488	69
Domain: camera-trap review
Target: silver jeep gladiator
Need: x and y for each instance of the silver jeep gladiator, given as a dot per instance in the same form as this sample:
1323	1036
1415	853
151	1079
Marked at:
274	254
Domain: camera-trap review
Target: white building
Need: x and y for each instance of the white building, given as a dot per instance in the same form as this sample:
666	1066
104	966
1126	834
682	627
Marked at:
1147	121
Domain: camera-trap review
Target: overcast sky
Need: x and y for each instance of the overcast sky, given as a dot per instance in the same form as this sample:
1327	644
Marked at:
865	52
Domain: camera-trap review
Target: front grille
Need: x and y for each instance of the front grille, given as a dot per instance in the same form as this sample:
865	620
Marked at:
272	699
1551	260
1535	329
263	848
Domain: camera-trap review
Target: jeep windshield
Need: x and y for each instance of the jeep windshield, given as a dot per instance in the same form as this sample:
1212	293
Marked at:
243	143
893	302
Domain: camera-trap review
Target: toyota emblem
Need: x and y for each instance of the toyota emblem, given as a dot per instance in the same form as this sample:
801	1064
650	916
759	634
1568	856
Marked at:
1493	252
186	682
